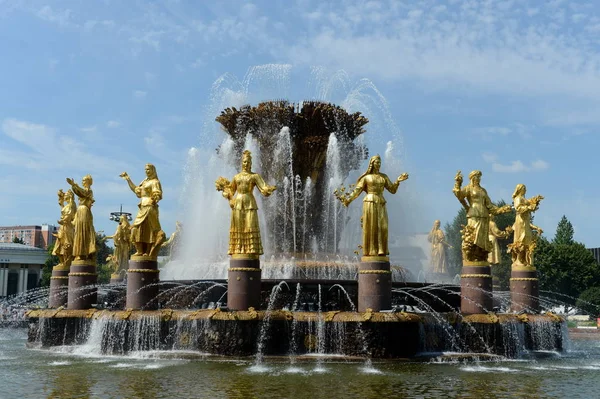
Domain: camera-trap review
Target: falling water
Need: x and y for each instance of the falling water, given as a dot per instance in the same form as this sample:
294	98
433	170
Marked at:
264	328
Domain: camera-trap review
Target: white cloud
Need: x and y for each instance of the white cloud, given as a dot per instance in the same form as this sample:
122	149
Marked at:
514	166
139	94
62	18
158	147
113	124
89	129
489	157
44	144
198	63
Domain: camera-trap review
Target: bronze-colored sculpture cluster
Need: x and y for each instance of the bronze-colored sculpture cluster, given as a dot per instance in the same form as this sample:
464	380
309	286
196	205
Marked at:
479	236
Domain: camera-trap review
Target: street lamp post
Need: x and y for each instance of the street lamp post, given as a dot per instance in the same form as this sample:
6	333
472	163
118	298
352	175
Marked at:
116	216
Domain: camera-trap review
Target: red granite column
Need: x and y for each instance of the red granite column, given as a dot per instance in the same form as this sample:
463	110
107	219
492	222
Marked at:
374	284
244	282
142	283
59	283
82	292
476	288
524	290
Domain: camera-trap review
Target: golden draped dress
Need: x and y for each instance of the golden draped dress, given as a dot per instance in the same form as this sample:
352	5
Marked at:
146	225
66	233
122	240
374	218
438	251
478	215
84	241
244	232
522	227
495	255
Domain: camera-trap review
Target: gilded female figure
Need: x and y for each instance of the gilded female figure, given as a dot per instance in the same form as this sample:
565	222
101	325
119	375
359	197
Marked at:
476	242
494	257
374	216
122	240
438	248
244	232
524	241
84	242
146	233
63	247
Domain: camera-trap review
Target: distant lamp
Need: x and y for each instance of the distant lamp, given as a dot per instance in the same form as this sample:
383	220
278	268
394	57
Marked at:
116	216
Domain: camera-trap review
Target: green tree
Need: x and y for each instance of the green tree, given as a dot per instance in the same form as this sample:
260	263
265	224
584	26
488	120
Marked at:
17	240
453	238
102	252
565	266
589	301
102	249
564	232
51	261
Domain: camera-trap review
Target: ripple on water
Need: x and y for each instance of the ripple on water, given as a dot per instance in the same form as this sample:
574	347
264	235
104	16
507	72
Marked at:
295	370
482	369
370	370
258	368
60	363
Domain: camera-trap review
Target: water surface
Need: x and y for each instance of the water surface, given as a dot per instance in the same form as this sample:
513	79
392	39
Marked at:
78	372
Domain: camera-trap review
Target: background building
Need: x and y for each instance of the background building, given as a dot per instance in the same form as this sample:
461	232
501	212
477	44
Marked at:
20	268
34	236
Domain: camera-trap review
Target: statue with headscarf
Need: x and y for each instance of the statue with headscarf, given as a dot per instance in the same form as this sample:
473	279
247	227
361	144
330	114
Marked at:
374	218
146	233
244	231
476	244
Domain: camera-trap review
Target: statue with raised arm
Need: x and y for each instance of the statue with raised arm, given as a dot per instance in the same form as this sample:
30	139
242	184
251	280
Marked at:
63	247
174	240
476	243
244	231
122	241
494	257
146	233
524	241
374	215
436	237
84	242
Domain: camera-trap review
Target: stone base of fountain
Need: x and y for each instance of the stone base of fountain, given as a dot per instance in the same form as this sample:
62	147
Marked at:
524	291
58	287
81	275
236	333
142	283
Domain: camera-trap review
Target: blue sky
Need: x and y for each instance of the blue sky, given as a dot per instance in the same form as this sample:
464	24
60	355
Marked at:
508	87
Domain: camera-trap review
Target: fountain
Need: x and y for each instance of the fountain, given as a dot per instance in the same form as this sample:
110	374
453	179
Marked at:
306	296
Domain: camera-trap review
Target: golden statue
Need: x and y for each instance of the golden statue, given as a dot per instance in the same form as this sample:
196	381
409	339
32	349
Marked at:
494	257
63	247
122	240
524	241
244	232
84	242
174	240
146	233
476	243
438	248
374	216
